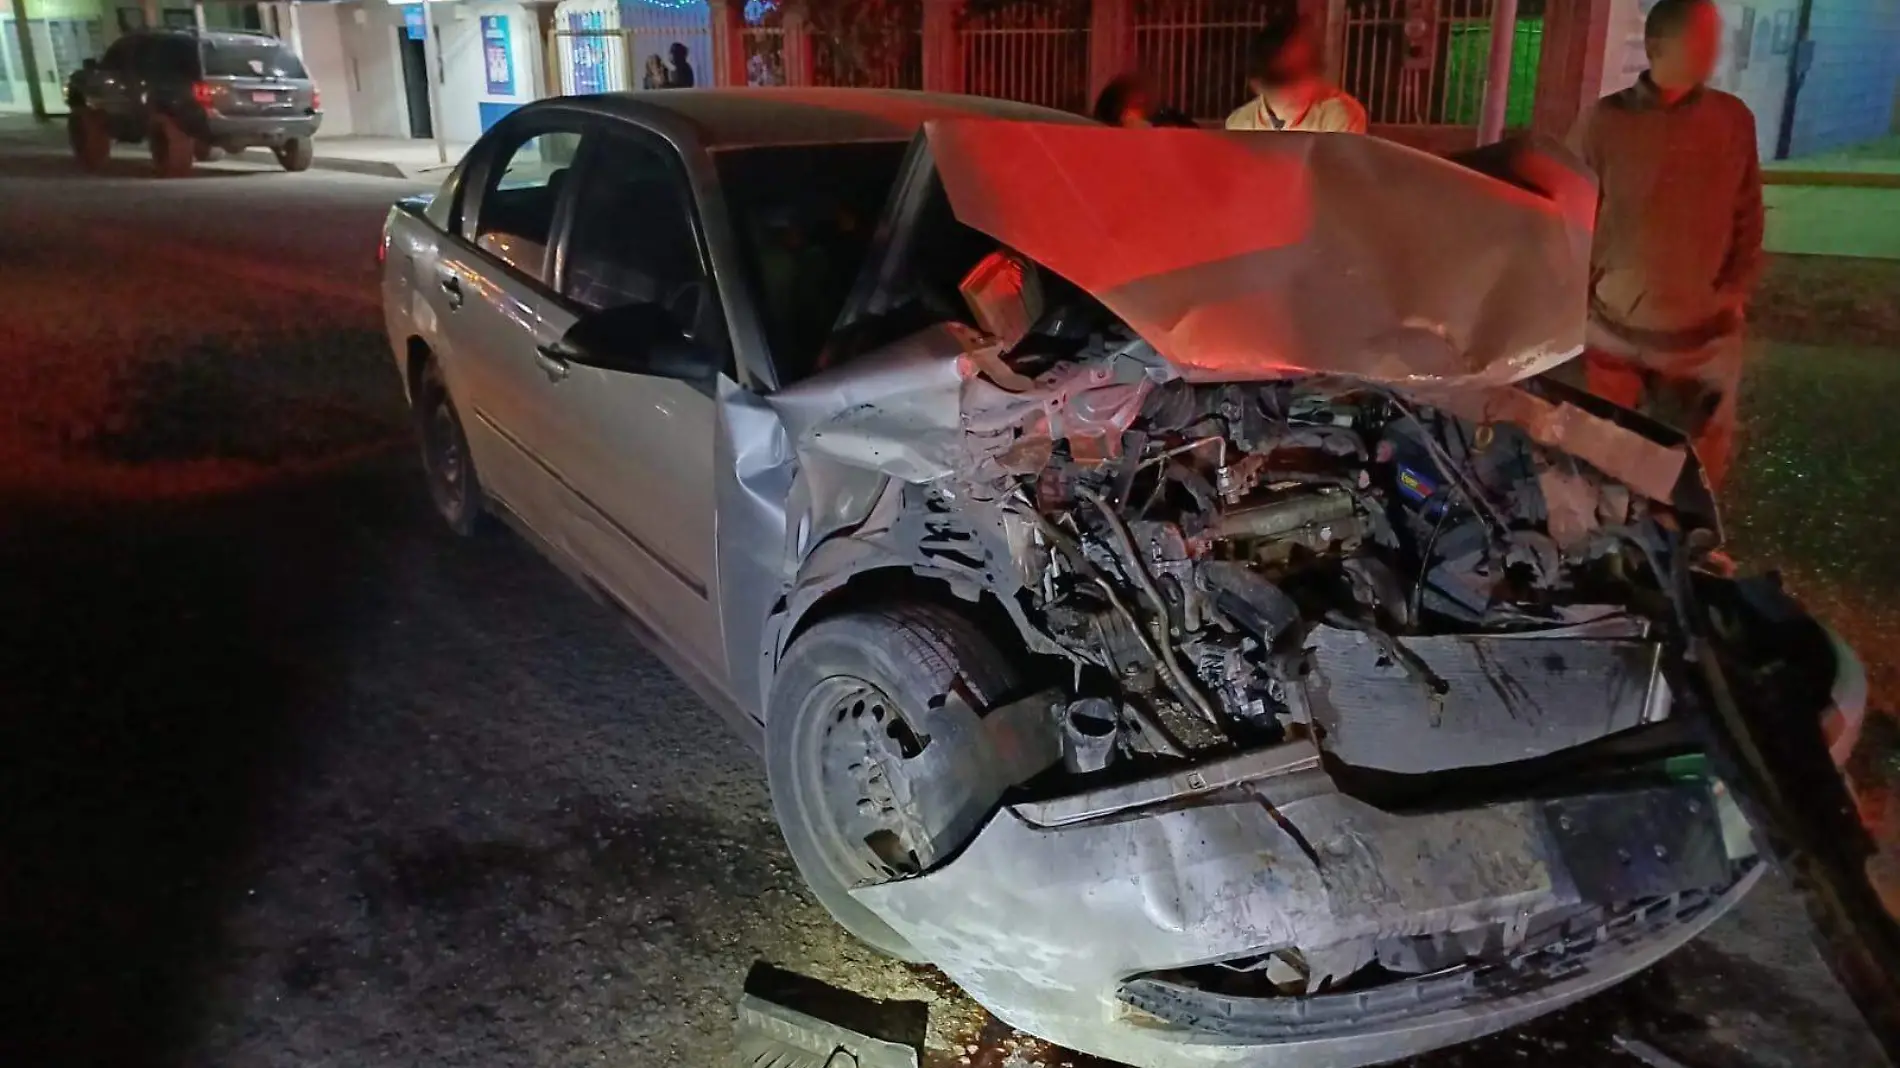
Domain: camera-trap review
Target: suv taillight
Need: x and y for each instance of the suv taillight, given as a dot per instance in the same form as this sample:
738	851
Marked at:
201	92
316	99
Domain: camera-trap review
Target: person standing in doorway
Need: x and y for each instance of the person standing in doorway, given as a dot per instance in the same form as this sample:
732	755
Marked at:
655	76
1290	92
681	76
1678	237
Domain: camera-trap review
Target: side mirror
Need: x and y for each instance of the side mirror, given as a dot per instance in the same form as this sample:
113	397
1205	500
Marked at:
641	339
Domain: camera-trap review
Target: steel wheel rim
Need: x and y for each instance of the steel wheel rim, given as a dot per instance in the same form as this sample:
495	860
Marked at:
853	781
446	463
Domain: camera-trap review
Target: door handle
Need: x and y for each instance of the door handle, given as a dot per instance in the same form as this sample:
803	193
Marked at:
452	286
552	360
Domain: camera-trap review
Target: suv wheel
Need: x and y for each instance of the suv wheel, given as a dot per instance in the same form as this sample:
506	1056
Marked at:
848	752
172	150
91	141
295	154
446	463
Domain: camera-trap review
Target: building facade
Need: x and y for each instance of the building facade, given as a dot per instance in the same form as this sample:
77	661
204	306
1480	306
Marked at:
1421	66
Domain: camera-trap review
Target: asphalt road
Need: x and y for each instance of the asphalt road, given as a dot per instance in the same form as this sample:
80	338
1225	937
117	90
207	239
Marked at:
288	776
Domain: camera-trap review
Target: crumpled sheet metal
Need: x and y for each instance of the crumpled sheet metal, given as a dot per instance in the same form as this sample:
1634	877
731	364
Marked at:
1041	925
1245	256
923	409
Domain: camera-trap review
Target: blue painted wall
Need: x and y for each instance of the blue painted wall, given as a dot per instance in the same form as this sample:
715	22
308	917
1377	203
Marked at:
1849	93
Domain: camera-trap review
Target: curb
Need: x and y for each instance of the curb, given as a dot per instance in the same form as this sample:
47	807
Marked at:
375	168
1851	179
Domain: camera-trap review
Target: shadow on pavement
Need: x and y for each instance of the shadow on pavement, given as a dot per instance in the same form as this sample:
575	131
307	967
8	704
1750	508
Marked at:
156	665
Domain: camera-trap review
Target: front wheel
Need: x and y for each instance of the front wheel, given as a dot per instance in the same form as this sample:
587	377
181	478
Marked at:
295	154
91	141
446	463
847	747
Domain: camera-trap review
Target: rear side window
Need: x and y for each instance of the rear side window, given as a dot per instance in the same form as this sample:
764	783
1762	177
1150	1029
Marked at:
260	58
168	59
516	211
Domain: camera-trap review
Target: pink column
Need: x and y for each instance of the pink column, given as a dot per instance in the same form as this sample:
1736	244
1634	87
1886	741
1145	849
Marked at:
798	64
943	48
728	42
1111	42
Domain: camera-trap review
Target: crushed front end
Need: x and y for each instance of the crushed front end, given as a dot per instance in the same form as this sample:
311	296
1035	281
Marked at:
1374	710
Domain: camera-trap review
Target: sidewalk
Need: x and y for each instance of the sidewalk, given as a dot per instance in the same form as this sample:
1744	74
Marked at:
1844	203
384	157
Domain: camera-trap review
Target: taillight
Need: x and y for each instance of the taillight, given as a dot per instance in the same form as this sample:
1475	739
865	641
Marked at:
316	99
382	246
201	92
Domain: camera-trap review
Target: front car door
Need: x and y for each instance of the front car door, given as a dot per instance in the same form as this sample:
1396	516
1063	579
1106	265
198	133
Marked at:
636	450
490	295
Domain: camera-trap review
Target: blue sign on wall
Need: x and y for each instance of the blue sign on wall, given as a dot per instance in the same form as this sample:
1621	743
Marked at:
414	24
498	59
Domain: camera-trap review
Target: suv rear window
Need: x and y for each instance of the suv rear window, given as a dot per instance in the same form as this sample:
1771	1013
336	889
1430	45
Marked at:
251	59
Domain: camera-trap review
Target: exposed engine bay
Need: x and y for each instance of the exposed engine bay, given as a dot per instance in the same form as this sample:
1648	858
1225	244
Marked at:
1238	532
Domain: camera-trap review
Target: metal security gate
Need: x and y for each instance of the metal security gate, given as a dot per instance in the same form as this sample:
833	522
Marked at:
593	55
1197	50
1424	62
1037	53
652	31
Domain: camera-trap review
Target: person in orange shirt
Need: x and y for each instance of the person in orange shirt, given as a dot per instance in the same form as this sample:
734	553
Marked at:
1290	92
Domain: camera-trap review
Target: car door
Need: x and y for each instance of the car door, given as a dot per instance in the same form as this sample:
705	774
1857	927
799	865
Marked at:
637	448
112	87
489	293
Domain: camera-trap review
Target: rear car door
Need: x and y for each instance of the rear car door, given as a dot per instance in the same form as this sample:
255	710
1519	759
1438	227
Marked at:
637	449
489	292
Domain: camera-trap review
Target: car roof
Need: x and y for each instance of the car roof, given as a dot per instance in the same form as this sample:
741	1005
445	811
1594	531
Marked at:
214	36
741	118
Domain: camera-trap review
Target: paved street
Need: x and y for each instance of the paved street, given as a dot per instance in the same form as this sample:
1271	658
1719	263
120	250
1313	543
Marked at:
290	777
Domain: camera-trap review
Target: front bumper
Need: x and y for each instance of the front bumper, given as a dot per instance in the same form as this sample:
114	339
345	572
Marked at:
1066	918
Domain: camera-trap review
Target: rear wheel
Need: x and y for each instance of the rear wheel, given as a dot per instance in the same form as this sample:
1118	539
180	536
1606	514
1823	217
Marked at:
171	148
847	738
446	462
295	154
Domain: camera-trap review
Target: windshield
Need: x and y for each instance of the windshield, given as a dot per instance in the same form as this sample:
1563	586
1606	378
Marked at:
804	215
250	59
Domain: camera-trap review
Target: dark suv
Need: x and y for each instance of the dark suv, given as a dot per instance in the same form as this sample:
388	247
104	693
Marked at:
191	95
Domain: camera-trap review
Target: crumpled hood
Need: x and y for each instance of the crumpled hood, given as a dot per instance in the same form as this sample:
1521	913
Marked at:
1250	255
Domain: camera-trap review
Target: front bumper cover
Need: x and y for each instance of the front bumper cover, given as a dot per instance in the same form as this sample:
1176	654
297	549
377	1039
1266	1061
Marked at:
1055	907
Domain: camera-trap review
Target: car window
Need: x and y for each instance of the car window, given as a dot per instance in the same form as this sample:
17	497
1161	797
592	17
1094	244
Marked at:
804	215
247	58
632	238
168	59
118	57
516	211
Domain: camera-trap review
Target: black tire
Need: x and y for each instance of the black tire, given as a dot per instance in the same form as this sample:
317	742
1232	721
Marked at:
848	674
454	488
295	154
206	152
91	141
171	148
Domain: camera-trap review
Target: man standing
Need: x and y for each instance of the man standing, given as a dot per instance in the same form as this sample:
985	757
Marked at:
1678	238
681	76
1289	93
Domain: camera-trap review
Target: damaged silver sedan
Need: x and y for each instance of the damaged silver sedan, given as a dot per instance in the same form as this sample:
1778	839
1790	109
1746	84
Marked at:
1178	599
